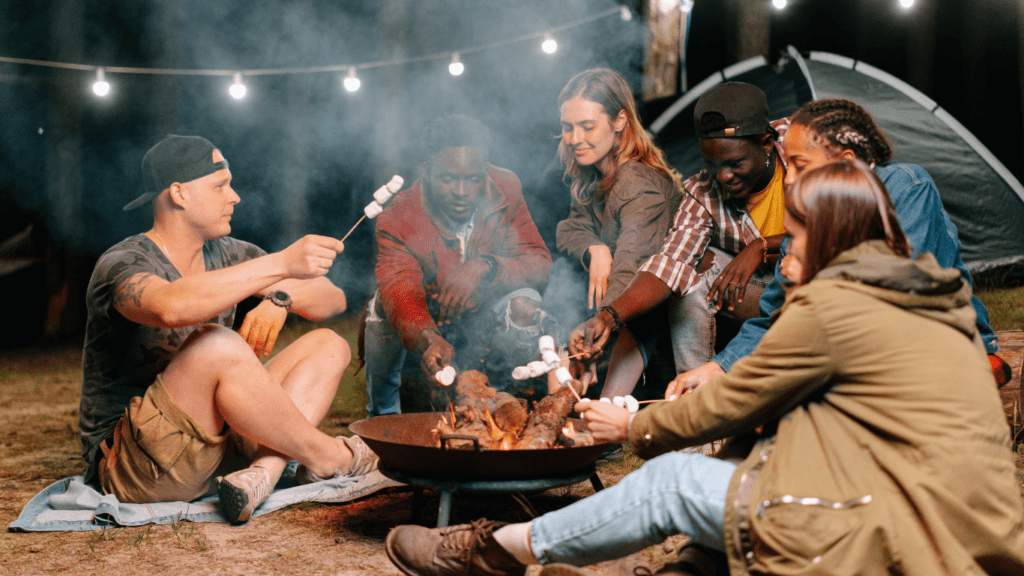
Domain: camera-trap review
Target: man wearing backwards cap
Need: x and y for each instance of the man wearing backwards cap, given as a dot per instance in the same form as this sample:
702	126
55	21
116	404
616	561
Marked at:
718	256
168	388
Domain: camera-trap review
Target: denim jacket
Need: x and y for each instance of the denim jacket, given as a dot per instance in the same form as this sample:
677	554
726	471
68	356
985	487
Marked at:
926	225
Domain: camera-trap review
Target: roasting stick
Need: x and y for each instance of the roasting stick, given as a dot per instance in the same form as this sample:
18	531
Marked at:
353	229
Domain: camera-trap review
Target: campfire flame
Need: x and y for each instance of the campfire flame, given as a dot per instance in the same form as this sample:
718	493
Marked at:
502	440
569	431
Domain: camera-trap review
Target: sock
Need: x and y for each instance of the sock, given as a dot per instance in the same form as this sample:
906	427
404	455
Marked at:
515	539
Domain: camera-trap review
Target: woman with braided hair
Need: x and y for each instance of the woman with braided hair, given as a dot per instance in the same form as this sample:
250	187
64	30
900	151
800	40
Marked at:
822	131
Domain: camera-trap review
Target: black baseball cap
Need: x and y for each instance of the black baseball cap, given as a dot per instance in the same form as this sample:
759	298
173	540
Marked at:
175	159
731	110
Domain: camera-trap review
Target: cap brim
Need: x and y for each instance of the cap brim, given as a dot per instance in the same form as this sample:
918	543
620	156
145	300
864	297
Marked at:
145	198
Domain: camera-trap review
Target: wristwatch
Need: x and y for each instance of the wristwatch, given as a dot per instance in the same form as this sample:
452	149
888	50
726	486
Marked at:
280	298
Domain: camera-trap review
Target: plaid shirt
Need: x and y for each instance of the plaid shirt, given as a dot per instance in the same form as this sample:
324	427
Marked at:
705	218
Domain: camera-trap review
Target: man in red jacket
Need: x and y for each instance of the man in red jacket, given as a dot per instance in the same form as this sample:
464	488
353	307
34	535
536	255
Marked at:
459	270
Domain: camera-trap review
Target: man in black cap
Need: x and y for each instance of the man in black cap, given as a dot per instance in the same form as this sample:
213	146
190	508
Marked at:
719	254
169	390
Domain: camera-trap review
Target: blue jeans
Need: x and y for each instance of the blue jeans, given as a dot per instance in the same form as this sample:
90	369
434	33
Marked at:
674	493
692	317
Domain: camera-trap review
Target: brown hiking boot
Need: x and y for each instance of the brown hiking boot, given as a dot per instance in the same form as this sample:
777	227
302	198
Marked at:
462	550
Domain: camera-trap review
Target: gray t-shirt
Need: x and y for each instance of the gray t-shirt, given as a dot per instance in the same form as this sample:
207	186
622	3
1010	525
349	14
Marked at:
121	358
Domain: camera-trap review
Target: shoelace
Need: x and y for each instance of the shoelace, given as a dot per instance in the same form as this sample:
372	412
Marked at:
465	539
260	481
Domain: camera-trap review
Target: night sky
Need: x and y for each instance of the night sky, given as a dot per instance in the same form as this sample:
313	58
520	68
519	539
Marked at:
306	155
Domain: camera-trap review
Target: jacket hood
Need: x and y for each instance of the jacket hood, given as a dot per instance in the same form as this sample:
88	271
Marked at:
919	285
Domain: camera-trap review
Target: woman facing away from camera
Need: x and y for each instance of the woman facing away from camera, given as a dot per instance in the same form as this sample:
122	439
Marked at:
881	443
624	196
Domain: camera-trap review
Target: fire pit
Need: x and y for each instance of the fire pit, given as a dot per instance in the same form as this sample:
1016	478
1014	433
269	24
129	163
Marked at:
409	453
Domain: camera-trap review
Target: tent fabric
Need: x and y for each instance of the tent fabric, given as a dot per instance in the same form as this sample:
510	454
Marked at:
984	200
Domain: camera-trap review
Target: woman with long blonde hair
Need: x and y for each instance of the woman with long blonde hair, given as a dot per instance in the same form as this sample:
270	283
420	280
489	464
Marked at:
624	196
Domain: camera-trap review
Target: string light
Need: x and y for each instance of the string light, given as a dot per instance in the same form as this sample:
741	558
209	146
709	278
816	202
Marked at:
456	67
352	82
101	87
237	89
779	4
906	3
549	45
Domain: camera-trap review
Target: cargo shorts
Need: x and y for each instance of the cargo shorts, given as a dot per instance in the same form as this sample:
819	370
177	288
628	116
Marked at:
159	454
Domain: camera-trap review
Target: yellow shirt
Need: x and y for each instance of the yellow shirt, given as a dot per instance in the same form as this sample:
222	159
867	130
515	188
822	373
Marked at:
768	208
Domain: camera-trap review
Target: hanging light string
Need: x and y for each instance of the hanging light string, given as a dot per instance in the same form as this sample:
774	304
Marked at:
315	69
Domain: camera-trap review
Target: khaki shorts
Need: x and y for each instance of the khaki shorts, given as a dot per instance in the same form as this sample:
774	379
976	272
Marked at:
160	454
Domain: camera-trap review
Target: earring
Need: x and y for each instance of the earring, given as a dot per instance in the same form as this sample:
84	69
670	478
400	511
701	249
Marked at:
767	161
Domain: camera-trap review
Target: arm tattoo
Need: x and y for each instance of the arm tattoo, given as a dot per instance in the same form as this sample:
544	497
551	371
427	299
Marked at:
130	291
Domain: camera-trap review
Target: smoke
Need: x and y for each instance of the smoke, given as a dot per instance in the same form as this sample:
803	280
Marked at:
305	154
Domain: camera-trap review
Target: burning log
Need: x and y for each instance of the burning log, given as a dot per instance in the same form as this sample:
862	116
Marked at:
546	420
500	421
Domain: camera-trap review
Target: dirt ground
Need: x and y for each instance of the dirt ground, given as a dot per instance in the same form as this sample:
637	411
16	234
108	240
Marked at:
39	444
39	395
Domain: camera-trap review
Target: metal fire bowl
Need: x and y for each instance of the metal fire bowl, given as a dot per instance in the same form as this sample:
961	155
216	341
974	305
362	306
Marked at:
404	442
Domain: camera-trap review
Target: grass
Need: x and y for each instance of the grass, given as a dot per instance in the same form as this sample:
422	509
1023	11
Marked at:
1005	307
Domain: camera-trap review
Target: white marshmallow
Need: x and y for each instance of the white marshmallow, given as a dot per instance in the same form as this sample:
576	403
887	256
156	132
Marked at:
619	401
585	400
395	184
446	377
538	368
373	209
563	376
546	343
606	400
382	195
550	357
632	404
521	373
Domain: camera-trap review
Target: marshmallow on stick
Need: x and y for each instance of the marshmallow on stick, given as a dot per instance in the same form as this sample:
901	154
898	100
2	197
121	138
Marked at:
380	197
446	377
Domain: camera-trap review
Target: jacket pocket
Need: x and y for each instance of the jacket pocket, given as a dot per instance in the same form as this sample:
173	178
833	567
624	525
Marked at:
805	529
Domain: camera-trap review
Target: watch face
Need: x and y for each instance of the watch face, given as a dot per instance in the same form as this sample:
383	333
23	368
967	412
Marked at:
281	298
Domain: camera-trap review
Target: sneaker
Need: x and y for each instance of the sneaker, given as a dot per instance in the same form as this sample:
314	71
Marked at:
696	560
462	550
1000	369
242	492
364	461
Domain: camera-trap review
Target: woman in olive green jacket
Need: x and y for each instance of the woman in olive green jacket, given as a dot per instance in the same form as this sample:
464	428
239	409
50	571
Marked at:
881	445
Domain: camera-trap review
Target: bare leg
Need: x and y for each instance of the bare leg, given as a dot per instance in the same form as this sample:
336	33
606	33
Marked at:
624	367
217	380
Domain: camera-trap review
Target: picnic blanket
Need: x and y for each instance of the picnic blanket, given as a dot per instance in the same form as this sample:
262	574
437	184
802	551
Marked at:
70	504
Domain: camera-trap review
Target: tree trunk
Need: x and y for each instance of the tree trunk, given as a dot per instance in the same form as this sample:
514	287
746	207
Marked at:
754	28
661	62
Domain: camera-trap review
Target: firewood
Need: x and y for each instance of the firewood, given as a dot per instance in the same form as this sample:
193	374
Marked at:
509	413
546	420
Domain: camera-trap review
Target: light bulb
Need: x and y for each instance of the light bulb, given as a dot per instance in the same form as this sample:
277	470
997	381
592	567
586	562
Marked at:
549	45
456	67
237	89
625	13
101	87
351	81
779	4
906	3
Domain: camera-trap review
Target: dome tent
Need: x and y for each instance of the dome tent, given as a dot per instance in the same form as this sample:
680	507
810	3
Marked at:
984	200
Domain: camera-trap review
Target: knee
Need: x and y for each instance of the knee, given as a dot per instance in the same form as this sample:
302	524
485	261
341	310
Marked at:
523	310
216	341
328	343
